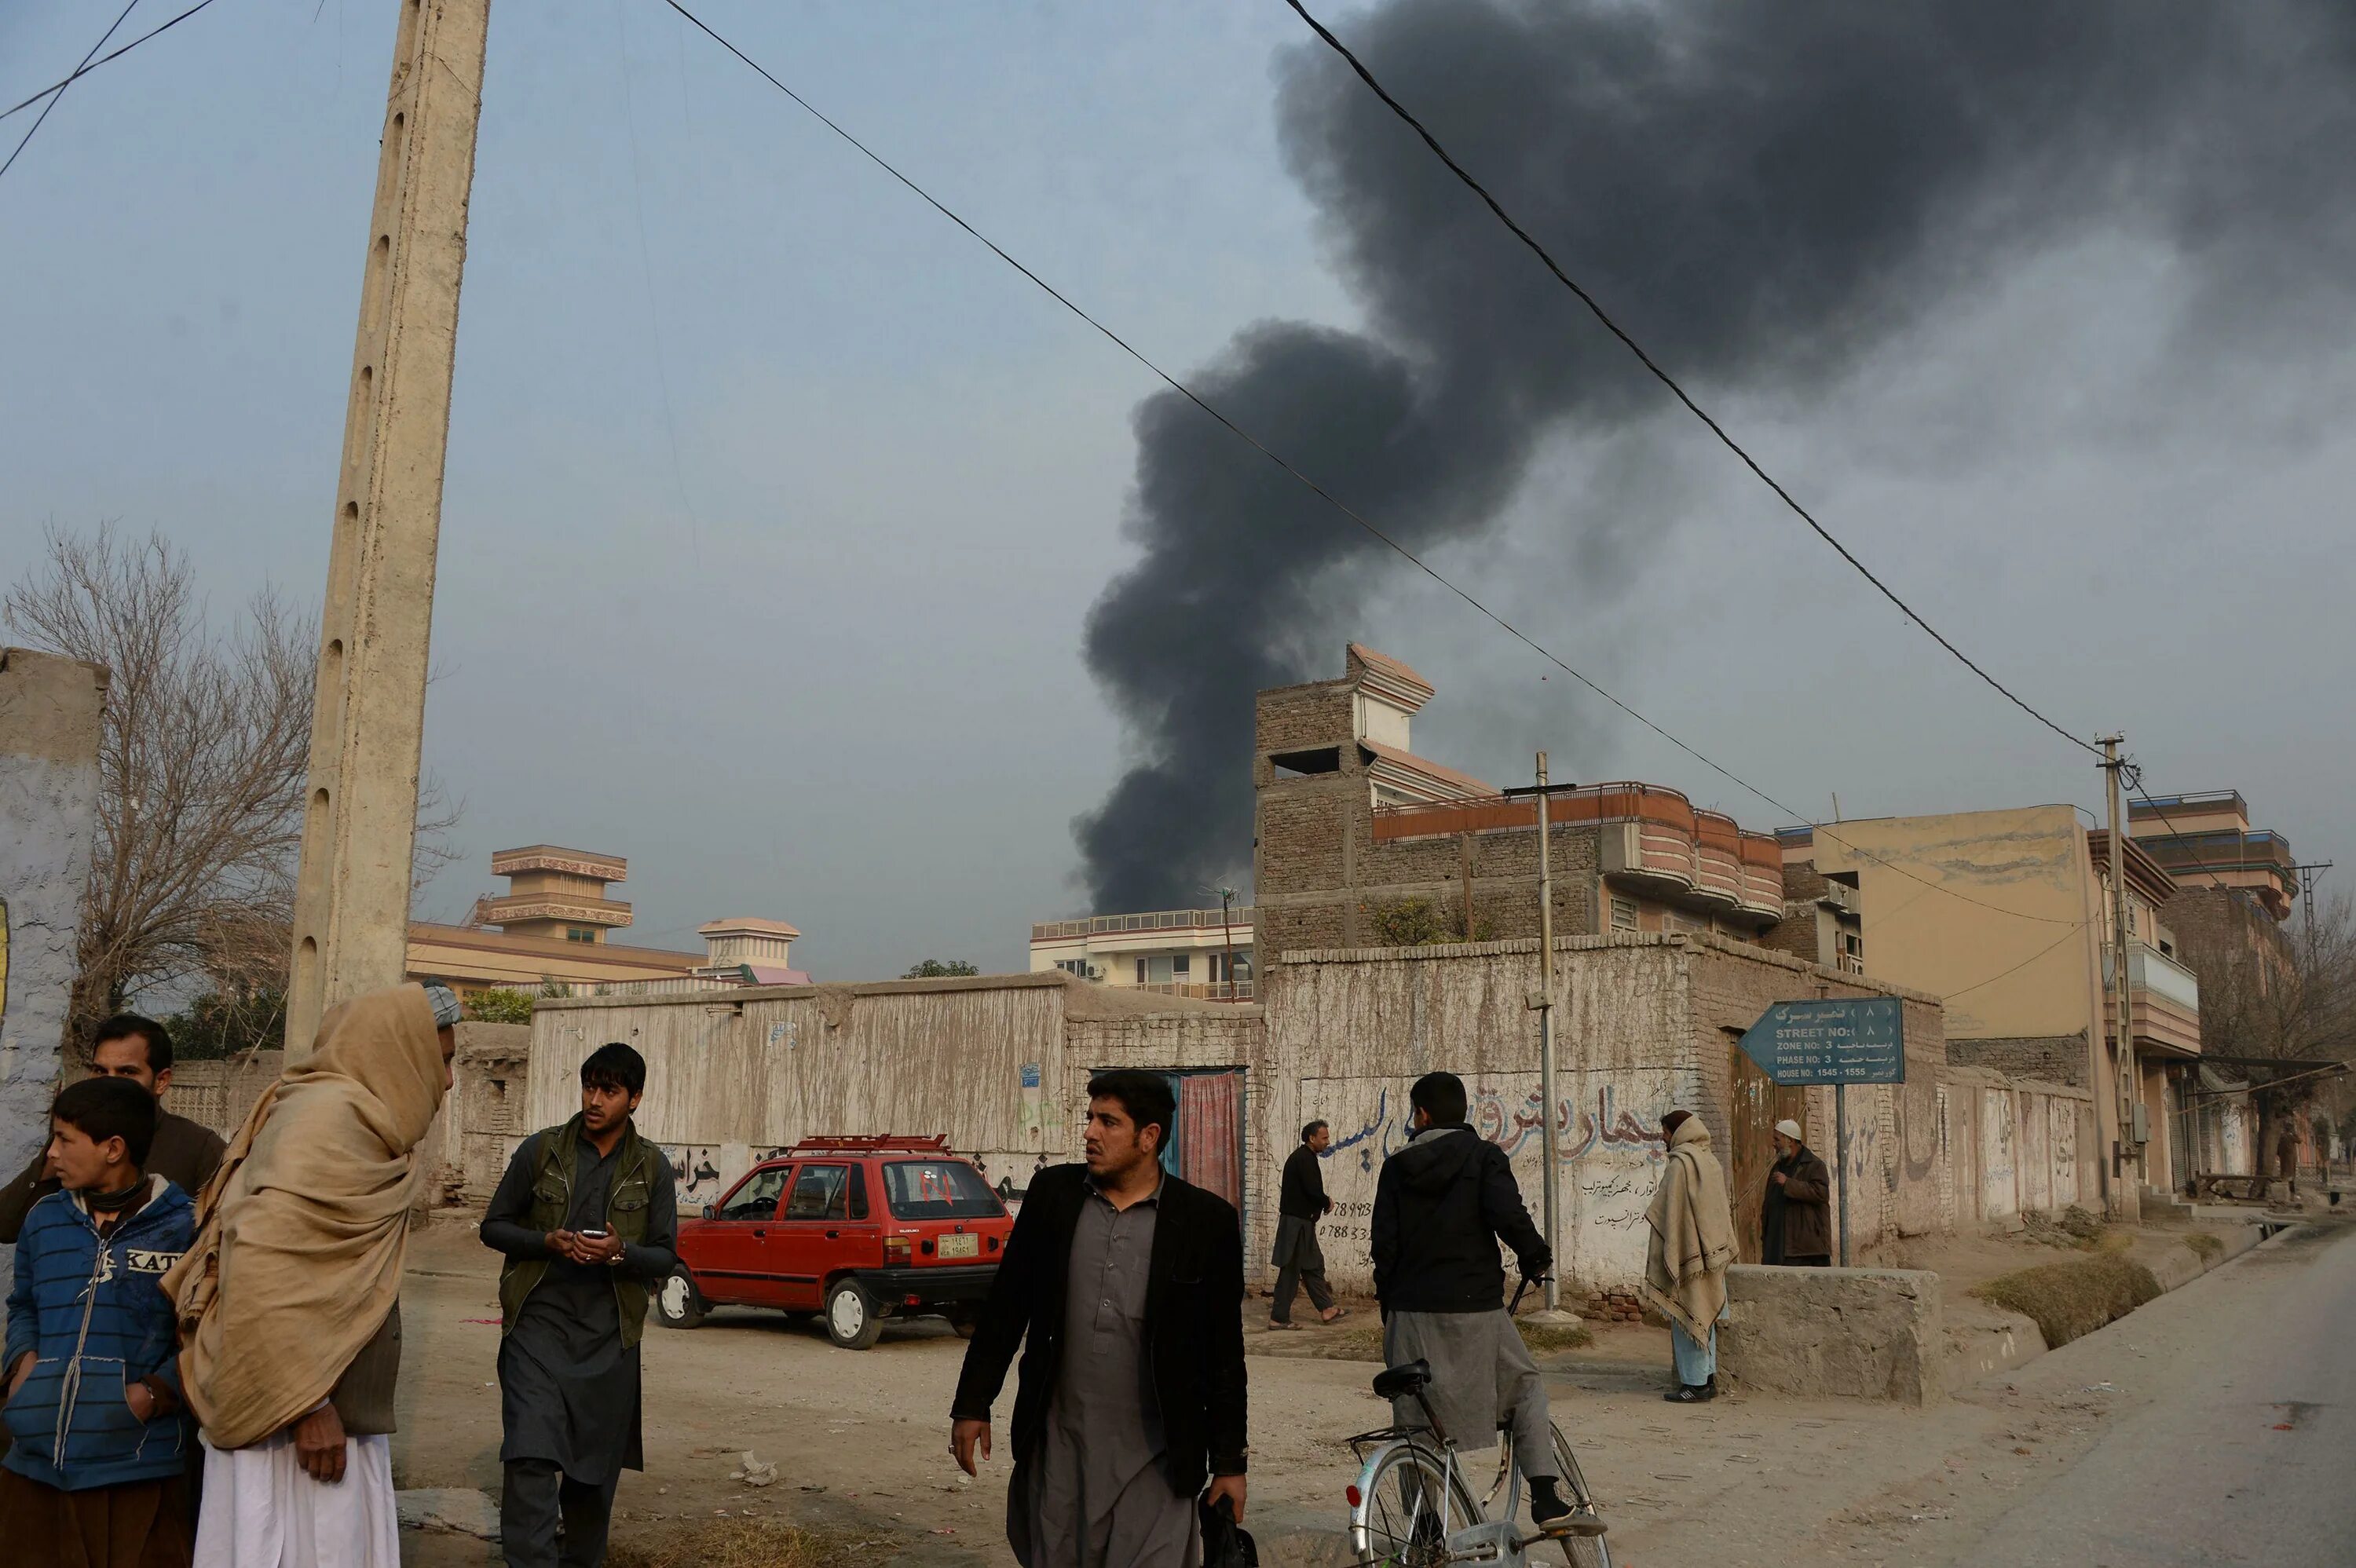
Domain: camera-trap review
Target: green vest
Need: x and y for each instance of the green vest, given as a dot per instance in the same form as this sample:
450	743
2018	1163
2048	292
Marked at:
552	1202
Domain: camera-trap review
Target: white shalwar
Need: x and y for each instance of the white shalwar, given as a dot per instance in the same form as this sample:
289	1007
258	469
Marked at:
262	1509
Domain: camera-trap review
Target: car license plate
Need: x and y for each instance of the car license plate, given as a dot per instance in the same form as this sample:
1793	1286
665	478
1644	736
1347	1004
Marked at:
960	1246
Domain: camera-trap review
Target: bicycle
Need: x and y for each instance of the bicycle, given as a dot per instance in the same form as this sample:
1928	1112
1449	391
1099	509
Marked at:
1412	1508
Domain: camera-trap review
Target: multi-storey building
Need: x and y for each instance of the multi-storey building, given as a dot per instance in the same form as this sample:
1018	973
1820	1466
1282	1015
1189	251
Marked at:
2007	915
1363	843
551	925
1204	952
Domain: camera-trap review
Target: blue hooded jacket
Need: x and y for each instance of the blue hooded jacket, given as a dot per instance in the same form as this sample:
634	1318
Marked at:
92	1311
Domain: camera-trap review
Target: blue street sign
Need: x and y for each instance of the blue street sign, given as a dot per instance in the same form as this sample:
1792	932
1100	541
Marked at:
1853	1040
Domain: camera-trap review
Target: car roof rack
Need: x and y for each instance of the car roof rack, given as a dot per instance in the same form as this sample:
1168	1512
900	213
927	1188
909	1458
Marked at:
872	1143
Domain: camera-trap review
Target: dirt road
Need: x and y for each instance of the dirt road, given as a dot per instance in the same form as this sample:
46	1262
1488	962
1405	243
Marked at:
861	1438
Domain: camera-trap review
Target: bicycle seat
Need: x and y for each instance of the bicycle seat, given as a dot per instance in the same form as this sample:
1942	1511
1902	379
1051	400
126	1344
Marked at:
1404	1382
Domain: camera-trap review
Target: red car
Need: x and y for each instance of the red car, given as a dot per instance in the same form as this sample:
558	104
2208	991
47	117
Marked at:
854	1229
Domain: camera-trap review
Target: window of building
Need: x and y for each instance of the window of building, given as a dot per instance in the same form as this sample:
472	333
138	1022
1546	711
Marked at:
1302	764
576	933
1141	971
1623	914
1181	966
1672	920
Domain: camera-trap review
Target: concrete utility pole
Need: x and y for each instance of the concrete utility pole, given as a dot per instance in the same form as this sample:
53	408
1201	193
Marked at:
359	817
1549	1136
2122	988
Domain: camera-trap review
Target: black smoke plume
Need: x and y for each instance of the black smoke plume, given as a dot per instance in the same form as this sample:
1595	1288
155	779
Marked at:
1764	194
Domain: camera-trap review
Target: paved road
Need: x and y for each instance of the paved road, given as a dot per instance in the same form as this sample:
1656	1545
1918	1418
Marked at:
2246	1451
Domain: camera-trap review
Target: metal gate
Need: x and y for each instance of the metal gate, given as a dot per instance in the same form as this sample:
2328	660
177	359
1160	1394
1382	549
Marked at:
1757	1103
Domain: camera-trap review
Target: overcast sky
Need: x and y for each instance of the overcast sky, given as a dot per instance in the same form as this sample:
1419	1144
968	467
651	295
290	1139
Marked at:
824	663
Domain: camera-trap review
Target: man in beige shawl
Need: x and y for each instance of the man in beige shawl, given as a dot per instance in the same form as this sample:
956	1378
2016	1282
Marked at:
1692	1227
289	1299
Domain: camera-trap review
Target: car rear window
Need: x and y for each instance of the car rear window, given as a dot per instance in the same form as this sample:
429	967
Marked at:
939	1189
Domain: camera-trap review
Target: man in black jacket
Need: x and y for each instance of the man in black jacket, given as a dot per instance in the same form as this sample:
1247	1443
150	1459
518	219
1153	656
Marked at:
1121	1283
1442	1206
1300	1203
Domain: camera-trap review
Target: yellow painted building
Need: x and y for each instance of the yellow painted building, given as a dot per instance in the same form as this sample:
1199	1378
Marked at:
2006	916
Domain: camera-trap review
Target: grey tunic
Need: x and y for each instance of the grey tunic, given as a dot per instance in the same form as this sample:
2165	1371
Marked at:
568	1386
1482	1380
1098	1496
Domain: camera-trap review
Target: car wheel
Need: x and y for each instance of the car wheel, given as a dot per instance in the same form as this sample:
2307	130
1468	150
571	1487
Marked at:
677	1303
963	1320
852	1320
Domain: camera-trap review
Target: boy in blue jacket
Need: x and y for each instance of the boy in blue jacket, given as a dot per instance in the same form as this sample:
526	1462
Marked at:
95	1469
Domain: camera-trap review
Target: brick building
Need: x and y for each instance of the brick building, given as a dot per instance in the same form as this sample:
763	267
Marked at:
1360	842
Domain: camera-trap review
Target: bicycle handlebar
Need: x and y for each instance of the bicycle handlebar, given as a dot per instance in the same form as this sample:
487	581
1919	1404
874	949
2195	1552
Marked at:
1524	1289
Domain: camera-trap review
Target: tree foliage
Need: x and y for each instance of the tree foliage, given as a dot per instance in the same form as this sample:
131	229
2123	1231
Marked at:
1422	922
500	1004
220	1024
939	969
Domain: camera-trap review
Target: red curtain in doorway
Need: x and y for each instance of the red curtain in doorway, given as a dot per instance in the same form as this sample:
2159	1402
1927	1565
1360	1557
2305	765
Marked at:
1210	1132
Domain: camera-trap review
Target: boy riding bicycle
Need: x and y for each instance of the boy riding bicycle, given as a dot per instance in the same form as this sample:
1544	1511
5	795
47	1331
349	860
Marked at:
1442	1206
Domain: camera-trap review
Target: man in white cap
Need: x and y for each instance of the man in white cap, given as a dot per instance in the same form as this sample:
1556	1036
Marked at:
1795	1222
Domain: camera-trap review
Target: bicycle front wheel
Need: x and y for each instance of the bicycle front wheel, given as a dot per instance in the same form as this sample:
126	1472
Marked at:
1592	1552
1408	1502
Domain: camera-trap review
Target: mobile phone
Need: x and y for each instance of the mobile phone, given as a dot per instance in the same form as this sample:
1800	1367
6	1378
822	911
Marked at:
595	1236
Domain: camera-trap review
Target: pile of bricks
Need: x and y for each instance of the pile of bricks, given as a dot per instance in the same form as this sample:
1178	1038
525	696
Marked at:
1613	1307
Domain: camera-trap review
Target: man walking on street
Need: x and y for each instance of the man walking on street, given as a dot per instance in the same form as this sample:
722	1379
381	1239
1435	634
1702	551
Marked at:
1300	1203
1692	1246
1794	1218
1121	1281
184	1153
1442	1204
587	1217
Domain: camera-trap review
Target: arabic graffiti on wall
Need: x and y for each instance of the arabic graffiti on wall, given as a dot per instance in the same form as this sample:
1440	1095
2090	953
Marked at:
1610	1156
2063	1142
1998	1194
696	1172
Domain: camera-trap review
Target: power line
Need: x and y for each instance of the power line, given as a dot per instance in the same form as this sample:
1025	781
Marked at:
1669	381
1312	486
2074	929
61	87
86	69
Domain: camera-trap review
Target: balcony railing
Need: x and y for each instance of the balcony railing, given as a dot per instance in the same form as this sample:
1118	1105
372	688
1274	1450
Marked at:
1209	991
2148	969
2222	851
1160	920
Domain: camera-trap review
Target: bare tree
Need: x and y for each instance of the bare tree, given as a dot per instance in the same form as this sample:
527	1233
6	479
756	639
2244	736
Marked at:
202	756
2290	998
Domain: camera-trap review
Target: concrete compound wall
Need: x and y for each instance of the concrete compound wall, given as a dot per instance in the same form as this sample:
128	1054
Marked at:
220	1093
50	712
2021	1147
1648	1024
1000	1064
1838	1333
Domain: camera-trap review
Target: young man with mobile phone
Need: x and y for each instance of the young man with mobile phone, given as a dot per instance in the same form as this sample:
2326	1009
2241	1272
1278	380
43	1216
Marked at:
588	1218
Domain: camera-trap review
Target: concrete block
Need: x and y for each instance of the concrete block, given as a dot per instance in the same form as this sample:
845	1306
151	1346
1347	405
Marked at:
1841	1333
49	713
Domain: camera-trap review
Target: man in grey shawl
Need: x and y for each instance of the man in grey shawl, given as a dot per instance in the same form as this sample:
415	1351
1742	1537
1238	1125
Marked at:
1442	1204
